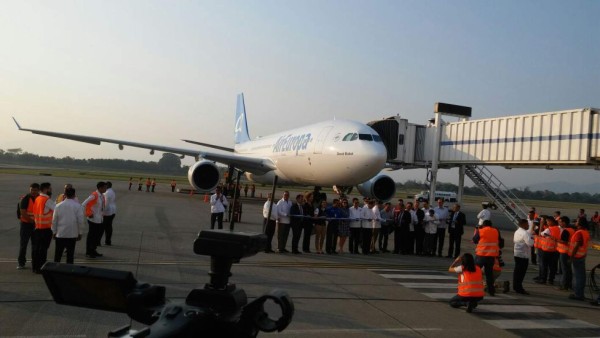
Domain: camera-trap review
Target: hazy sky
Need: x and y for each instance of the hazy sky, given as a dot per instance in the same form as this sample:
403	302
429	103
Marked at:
160	71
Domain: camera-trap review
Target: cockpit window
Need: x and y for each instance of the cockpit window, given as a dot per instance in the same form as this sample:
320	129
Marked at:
377	138
365	137
350	137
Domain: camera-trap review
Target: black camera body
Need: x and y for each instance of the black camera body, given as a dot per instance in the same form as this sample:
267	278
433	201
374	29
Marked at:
217	310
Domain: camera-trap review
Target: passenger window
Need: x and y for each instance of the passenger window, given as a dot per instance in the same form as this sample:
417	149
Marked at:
365	137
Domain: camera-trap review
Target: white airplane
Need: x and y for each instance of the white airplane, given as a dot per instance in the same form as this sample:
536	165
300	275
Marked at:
340	153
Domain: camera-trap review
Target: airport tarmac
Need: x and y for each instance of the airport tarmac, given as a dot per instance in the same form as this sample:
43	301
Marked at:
343	295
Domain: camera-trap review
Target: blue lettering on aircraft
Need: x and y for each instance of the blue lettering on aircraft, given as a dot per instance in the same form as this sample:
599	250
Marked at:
292	143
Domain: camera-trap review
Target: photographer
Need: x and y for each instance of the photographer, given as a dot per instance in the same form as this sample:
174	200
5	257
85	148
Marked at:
218	204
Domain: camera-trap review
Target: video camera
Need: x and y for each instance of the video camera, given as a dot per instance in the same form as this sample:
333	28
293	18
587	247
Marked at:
217	310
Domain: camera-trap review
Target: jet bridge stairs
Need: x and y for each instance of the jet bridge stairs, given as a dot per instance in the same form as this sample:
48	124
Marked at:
496	191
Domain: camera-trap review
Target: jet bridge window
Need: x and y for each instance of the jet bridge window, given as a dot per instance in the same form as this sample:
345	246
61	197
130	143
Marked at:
365	137
350	137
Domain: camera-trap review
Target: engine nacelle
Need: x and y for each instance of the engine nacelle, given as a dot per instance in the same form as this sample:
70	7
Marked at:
204	176
381	187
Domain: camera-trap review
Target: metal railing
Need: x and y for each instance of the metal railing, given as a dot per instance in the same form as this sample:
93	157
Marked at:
494	189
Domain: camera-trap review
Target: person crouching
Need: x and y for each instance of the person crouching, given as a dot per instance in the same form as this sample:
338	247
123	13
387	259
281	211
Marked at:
470	282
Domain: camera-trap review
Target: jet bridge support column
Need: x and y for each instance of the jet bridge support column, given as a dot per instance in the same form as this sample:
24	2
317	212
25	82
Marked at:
436	155
461	183
446	109
461	177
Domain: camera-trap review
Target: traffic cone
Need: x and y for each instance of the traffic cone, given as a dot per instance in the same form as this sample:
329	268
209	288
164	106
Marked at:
206	198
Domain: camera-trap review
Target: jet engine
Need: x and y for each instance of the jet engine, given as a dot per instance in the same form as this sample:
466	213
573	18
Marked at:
381	187
204	176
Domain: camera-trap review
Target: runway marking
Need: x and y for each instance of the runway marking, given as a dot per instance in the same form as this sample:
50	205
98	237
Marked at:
392	329
512	324
512	308
528	314
429	285
448	295
411	276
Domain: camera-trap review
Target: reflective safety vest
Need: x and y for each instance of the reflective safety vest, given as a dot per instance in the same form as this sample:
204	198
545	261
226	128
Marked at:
563	247
548	243
30	207
470	284
488	242
88	207
537	241
497	266
582	250
42	220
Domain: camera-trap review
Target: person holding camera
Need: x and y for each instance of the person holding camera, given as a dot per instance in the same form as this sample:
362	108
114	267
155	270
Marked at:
218	204
470	282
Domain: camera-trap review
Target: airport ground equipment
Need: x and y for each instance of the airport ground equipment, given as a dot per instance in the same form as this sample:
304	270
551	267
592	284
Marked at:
217	310
560	139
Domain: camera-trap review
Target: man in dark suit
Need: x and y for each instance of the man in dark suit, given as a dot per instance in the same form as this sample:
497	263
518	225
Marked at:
296	222
456	230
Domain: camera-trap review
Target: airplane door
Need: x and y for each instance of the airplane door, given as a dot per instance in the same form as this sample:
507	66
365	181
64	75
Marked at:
321	140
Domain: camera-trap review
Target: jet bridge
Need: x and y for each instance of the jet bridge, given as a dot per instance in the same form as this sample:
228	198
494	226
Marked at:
561	139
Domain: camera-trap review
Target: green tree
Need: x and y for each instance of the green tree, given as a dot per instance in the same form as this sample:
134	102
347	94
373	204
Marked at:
169	162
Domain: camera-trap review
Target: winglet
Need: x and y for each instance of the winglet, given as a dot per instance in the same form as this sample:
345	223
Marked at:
241	123
17	123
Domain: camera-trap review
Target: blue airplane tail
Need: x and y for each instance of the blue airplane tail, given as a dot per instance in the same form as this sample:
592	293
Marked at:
241	124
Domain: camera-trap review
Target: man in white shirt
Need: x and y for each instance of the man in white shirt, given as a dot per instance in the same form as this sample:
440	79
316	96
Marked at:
442	215
67	223
355	214
269	222
523	242
218	203
484	215
109	213
93	207
283	221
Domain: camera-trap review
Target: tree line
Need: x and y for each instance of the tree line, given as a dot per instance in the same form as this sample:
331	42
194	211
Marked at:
171	164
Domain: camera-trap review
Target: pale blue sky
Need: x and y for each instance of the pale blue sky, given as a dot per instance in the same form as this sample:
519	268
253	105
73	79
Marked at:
159	71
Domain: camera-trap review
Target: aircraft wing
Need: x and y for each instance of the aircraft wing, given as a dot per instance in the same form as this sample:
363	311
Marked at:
251	164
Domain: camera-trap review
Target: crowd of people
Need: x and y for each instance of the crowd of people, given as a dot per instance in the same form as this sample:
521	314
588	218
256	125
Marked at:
43	219
418	229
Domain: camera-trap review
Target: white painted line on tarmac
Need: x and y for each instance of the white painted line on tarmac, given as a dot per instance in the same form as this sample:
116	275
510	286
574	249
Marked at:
429	285
409	276
512	308
439	295
444	295
511	324
324	331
